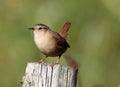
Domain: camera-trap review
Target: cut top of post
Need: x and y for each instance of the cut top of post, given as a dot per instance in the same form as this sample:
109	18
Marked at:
45	75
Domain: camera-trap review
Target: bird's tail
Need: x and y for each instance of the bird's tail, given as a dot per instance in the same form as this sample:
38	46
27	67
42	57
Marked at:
65	29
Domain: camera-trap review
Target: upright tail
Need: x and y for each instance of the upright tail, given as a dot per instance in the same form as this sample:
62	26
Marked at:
65	29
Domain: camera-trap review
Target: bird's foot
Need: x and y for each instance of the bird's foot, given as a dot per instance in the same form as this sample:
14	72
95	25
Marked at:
41	61
55	63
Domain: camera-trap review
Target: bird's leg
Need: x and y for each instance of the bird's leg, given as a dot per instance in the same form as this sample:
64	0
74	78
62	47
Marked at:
42	60
57	62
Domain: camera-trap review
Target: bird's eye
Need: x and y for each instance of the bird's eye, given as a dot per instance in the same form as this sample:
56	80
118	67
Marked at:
40	28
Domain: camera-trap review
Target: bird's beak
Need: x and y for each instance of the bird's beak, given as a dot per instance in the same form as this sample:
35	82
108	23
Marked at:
31	28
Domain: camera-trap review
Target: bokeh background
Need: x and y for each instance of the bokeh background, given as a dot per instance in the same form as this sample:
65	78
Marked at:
94	38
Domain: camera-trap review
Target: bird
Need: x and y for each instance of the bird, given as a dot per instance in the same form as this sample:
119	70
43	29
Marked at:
49	42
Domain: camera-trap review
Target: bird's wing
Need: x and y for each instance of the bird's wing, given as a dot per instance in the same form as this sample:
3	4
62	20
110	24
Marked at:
60	40
65	29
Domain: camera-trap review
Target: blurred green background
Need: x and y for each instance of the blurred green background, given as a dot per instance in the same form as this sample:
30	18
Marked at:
94	37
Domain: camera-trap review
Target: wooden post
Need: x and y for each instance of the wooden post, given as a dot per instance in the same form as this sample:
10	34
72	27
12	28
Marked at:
44	75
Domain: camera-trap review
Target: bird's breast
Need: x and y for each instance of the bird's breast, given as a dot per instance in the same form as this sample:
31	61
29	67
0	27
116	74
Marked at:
44	42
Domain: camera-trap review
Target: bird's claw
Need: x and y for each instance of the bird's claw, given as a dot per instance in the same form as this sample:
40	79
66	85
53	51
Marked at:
55	63
41	61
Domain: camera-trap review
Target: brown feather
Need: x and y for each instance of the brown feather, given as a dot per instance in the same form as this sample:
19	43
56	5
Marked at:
60	40
65	29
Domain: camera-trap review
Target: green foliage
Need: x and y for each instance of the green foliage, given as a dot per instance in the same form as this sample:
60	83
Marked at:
94	37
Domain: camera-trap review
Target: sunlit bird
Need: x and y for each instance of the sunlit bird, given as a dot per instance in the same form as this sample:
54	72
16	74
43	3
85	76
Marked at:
50	43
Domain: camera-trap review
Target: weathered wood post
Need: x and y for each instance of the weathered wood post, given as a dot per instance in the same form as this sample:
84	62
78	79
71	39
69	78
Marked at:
45	75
